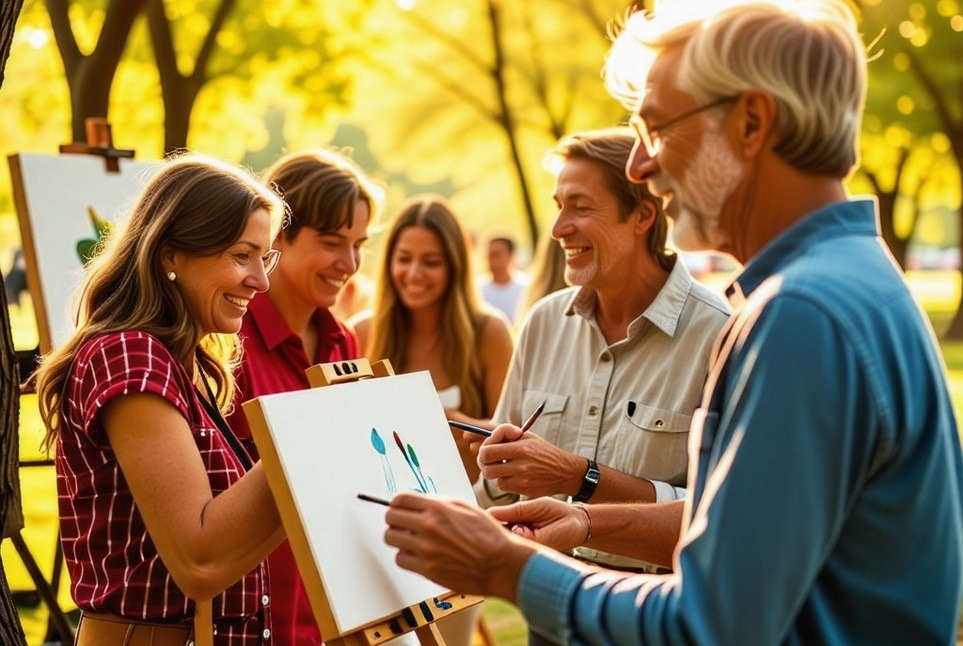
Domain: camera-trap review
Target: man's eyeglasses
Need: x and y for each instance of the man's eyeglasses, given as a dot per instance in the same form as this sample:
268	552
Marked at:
270	260
650	135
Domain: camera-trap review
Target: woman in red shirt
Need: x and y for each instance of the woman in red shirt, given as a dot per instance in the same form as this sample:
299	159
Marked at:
290	328
160	507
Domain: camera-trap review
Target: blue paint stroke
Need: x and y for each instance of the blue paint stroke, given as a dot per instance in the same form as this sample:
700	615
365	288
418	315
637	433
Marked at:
379	446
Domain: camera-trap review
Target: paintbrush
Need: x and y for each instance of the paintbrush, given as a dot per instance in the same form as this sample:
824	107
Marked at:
471	428
478	430
380	501
533	417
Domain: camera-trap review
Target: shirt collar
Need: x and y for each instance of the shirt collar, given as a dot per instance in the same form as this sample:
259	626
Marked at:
663	312
853	217
274	331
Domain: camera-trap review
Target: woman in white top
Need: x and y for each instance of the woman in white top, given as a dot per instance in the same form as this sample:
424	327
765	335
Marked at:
427	316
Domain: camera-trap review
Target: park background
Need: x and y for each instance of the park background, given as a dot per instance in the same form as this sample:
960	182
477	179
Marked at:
458	97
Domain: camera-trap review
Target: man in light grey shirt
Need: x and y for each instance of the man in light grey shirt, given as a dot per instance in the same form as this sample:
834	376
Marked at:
619	359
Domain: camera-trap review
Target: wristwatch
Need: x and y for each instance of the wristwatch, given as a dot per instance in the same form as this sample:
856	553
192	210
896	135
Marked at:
589	482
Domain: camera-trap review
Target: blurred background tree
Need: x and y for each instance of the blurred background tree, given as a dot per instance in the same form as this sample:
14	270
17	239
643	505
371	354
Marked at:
913	129
461	97
11	511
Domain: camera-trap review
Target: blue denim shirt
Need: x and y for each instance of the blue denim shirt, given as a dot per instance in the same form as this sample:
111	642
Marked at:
826	495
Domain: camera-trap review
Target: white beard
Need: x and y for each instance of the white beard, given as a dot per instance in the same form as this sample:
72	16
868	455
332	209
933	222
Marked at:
709	181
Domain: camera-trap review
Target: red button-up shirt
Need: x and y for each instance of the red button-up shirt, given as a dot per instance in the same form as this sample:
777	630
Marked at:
113	564
274	362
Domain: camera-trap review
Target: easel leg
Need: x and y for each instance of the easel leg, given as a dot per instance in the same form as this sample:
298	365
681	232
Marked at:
429	635
484	632
58	566
49	596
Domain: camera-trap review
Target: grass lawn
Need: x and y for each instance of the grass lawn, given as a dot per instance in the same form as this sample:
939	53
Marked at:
937	291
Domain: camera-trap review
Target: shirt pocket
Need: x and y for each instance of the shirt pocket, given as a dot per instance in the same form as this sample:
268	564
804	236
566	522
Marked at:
653	444
549	422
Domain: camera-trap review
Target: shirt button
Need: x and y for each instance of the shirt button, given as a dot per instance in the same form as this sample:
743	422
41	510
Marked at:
593	410
659	423
606	357
265	600
267	633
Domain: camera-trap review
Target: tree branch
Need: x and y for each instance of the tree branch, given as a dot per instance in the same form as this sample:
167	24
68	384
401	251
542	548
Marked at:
444	37
455	88
198	75
162	40
9	11
64	35
931	87
113	35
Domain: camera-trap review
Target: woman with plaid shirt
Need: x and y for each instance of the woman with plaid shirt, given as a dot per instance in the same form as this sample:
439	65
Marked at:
160	506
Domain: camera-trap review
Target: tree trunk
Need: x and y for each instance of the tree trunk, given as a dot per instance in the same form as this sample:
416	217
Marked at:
887	215
9	10
11	632
89	96
178	105
955	330
90	76
507	120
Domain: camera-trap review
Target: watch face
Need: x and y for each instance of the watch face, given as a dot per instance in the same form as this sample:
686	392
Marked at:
589	481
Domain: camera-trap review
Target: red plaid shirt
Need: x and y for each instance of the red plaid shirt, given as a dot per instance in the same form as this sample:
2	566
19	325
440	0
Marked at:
113	564
274	362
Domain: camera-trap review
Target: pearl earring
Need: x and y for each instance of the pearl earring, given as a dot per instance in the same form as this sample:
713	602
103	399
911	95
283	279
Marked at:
171	276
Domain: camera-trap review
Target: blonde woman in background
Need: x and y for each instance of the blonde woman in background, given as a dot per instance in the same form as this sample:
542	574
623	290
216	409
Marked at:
427	316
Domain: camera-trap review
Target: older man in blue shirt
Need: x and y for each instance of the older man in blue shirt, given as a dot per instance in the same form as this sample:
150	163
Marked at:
825	467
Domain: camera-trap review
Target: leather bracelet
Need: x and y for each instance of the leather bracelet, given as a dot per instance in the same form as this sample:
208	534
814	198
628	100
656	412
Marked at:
588	520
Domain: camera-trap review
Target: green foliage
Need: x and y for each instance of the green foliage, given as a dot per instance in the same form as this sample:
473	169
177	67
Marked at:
429	105
917	39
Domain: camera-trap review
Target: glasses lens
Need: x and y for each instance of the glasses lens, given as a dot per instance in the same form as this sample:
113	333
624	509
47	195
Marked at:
270	260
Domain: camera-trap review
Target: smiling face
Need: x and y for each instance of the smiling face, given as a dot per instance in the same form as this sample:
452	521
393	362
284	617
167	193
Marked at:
695	168
316	264
419	268
217	287
598	245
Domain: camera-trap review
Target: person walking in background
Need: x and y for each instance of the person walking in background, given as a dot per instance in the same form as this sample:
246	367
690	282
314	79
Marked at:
291	328
505	283
825	497
427	316
160	505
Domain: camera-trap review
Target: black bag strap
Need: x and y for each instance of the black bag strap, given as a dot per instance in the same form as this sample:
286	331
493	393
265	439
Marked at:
210	406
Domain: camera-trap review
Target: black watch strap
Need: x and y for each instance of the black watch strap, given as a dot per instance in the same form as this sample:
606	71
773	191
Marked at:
589	482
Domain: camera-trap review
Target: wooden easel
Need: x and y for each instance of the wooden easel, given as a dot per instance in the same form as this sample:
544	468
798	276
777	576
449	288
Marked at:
100	143
419	618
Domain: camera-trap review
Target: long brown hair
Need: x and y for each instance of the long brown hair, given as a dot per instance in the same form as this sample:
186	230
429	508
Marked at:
194	204
461	315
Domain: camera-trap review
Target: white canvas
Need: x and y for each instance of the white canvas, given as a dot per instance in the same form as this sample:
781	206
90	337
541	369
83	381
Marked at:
323	438
57	191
